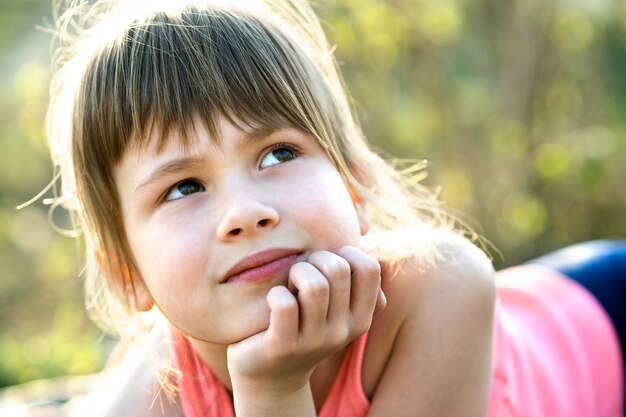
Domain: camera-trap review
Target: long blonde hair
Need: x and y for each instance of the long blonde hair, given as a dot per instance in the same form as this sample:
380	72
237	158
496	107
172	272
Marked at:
127	70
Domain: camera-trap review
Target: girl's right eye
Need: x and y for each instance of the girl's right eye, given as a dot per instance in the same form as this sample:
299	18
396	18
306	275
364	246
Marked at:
183	189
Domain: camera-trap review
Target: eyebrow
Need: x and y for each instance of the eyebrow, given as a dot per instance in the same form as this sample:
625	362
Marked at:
171	167
180	164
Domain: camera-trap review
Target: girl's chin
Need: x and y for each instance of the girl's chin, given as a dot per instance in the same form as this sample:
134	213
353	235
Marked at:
228	336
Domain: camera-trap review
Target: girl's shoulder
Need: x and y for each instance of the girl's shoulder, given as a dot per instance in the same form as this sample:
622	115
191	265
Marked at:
433	280
412	259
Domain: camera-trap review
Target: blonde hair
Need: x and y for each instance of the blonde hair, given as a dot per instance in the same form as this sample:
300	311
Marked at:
133	70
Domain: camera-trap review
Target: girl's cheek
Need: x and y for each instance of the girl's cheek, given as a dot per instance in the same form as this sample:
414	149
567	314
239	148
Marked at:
169	249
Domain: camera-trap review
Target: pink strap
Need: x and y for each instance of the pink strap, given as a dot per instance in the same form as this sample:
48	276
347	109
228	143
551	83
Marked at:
201	393
346	397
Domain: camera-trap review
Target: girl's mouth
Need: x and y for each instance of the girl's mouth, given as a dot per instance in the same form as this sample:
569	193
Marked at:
262	265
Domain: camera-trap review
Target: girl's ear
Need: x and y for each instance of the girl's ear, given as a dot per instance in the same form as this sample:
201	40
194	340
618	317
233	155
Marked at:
361	212
143	299
134	289
136	292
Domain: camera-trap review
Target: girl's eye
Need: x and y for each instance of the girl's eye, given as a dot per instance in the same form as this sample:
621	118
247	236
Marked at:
183	189
278	154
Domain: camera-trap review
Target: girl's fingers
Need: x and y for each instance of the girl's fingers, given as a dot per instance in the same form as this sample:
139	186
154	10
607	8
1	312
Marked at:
331	298
313	292
365	291
337	272
284	315
381	302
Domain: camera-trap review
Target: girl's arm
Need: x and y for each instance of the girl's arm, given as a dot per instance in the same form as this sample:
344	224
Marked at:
440	362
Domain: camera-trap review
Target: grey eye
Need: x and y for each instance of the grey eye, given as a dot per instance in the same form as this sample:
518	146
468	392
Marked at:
183	189
278	155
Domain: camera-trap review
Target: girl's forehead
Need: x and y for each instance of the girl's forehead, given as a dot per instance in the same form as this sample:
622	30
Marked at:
201	130
140	165
199	133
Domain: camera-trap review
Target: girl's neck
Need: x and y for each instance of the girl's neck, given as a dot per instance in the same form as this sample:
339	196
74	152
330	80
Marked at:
214	356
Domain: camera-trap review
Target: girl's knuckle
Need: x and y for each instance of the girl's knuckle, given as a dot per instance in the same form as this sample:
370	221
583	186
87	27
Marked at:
337	267
317	256
367	266
372	267
316	288
286	306
299	268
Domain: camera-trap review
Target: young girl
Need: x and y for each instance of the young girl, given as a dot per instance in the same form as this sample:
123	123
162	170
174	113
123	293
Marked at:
224	187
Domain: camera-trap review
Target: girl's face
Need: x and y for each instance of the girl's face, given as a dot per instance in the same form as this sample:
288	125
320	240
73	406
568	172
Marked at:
198	220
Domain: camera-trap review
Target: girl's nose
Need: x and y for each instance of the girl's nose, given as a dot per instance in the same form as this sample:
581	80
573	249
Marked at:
246	218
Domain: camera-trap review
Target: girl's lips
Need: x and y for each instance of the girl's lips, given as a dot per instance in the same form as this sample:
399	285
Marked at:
262	265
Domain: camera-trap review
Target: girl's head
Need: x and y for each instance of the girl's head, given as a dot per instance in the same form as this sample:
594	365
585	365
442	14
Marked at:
151	75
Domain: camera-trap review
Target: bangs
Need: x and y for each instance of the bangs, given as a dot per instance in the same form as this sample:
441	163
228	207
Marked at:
166	72
129	78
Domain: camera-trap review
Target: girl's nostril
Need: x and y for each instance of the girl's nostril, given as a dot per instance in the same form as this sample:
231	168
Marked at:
262	223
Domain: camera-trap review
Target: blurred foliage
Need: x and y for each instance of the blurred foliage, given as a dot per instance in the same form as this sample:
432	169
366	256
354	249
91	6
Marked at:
519	106
44	331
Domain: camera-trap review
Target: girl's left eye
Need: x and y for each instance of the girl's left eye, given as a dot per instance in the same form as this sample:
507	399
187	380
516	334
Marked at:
278	154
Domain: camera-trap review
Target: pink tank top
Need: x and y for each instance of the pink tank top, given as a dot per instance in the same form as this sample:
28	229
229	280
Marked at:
203	395
555	355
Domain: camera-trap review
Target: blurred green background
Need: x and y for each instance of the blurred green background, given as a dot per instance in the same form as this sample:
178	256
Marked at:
520	107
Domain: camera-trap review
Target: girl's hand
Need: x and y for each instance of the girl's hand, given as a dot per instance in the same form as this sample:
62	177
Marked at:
330	301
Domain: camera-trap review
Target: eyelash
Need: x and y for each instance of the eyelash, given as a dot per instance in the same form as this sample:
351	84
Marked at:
172	188
281	145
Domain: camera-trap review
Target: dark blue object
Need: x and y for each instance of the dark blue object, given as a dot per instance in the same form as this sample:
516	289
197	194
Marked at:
600	267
